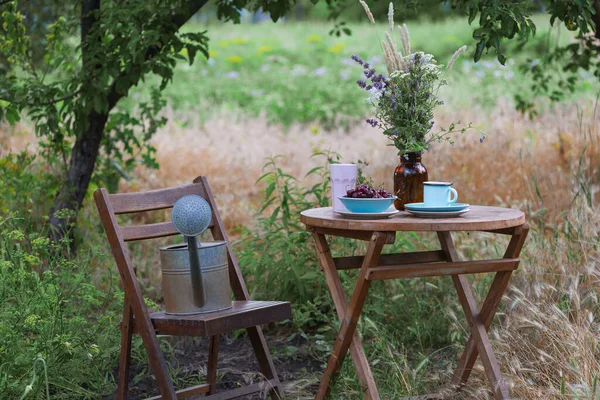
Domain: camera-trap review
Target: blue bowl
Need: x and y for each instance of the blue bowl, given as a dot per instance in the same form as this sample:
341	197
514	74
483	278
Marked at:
366	205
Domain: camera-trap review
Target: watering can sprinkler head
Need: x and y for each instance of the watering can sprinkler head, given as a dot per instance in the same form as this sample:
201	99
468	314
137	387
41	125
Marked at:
191	216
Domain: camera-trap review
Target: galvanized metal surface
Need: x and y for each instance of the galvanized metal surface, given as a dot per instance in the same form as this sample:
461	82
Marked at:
177	284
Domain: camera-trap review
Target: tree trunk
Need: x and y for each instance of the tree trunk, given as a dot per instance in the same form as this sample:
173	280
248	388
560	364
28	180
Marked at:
87	146
81	168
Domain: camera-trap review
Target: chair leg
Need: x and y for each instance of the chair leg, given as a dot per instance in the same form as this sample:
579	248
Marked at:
158	365
125	357
211	370
265	362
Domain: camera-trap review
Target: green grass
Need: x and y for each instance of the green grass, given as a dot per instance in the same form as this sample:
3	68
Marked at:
297	73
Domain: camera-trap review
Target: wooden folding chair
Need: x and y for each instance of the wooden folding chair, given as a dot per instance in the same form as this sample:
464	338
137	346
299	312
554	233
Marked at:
245	313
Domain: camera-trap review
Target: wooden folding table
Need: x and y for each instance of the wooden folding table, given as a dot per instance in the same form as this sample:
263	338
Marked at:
376	266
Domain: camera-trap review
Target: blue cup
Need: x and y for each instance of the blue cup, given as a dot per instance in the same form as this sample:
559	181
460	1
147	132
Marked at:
438	194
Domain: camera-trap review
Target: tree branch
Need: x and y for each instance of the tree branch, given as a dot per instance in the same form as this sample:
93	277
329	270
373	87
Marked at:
45	103
177	20
596	18
3	2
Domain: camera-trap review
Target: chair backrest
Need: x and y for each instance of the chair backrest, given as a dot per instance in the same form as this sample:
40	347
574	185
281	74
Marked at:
110	205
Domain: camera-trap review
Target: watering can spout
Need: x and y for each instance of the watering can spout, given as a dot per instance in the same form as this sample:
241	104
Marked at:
196	272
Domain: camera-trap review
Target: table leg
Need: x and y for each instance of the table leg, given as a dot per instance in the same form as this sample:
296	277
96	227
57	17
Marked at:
490	305
350	320
334	283
480	321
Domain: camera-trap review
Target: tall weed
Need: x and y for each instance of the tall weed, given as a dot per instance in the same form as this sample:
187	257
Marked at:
58	333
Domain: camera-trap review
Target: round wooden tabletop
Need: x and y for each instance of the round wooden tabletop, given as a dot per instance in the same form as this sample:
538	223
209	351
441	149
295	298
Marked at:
478	218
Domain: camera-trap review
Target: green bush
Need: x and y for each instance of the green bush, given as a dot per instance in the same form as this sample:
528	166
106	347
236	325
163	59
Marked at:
58	332
278	255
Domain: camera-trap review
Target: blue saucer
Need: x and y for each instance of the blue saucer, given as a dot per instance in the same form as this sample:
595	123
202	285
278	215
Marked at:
422	207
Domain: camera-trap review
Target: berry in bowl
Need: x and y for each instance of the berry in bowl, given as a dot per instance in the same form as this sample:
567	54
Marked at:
367	199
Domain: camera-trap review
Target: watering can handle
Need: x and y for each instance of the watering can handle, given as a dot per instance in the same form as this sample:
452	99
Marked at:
196	272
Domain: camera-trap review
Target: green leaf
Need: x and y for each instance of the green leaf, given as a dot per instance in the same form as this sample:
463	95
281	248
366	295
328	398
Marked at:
501	59
269	190
479	50
12	115
310	275
191	50
472	14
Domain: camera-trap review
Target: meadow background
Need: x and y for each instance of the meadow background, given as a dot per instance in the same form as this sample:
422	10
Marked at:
282	99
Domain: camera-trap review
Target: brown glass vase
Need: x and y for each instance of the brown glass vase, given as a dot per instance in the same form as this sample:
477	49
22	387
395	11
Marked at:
409	177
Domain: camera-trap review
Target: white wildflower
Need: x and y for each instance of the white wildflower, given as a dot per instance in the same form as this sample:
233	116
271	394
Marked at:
374	96
367	11
391	16
455	56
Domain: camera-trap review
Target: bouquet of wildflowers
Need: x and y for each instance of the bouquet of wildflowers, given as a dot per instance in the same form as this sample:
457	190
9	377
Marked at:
405	98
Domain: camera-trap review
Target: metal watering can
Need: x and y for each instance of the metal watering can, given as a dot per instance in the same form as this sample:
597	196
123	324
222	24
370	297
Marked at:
195	276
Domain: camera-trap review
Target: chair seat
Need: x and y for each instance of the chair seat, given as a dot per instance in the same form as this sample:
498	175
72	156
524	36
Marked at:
242	314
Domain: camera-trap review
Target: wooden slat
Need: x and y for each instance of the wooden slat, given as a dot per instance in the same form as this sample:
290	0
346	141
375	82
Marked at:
187	392
124	203
263	386
418	257
360	235
440	269
242	314
505	231
149	231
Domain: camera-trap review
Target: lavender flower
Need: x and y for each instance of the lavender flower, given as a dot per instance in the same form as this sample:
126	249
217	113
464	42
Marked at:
358	59
481	139
362	84
372	122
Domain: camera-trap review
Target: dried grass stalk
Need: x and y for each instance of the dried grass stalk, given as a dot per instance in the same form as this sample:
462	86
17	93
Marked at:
401	63
405	38
398	62
390	60
367	11
455	56
391	16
